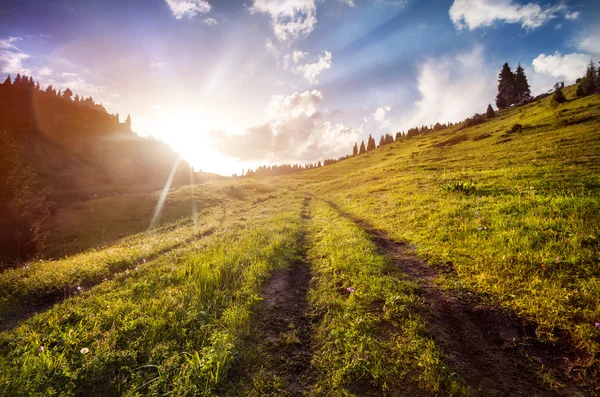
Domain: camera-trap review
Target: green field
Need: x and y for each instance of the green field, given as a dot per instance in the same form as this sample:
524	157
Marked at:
461	262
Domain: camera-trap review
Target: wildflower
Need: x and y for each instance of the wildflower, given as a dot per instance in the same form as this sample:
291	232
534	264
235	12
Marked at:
79	288
350	289
485	228
85	350
543	266
478	228
90	316
558	258
41	348
597	325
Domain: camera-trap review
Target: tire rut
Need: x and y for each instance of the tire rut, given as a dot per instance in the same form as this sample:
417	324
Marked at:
276	357
496	354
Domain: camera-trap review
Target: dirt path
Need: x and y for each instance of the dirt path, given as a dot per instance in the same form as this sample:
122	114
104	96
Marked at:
496	354
276	357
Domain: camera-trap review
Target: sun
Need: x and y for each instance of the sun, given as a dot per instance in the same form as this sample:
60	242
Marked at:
187	133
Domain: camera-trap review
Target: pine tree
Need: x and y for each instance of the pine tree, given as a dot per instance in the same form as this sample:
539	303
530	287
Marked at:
67	94
362	149
355	150
489	113
589	81
598	79
522	90
371	143
381	141
7	81
128	121
506	88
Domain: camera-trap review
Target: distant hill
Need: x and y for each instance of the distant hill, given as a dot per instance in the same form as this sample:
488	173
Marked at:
78	149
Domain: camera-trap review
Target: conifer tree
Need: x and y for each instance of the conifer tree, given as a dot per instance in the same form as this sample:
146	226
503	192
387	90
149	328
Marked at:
355	150
506	88
381	141
371	143
589	81
489	113
522	90
362	149
7	81
128	121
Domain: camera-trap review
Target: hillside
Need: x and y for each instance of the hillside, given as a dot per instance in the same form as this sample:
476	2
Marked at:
77	148
459	262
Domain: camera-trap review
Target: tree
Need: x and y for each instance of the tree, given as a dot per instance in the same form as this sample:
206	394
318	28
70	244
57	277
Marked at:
506	88
355	150
67	94
371	143
558	97
362	149
589	81
489	113
381	141
522	90
128	121
7	81
22	211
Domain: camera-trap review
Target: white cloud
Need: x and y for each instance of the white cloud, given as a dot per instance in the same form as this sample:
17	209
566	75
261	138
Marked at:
381	116
189	8
590	41
572	15
295	131
211	21
289	19
452	89
12	57
45	71
311	71
568	67
157	64
472	14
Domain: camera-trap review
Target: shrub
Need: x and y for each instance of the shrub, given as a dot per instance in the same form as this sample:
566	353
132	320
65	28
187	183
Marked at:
515	128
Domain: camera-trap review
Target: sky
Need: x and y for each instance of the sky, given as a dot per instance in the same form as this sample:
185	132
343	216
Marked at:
234	84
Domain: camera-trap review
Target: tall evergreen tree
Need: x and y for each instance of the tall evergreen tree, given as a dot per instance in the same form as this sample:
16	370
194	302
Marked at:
7	81
128	121
506	88
489	113
355	150
381	141
589	81
522	90
362	149
371	143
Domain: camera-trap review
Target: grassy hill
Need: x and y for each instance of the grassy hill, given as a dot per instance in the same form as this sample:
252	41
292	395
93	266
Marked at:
461	262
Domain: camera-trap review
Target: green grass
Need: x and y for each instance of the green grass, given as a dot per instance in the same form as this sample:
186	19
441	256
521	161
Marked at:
517	214
372	337
170	326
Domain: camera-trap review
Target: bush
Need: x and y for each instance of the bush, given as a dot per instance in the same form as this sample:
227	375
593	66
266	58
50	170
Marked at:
22	211
515	128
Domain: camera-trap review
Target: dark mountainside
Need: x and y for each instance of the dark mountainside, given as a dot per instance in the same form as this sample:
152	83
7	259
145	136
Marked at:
78	149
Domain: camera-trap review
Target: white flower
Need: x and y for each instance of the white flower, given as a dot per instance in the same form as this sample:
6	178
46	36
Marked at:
85	350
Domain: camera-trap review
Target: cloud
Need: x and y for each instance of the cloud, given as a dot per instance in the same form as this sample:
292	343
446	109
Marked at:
12	57
572	15
294	131
189	8
310	71
472	14
452	89
590	42
45	71
381	116
290	19
211	21
568	67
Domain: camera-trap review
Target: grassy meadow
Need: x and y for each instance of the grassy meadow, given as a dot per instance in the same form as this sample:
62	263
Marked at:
516	214
183	308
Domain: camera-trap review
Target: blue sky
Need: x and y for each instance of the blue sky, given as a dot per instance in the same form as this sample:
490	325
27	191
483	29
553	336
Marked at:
234	84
